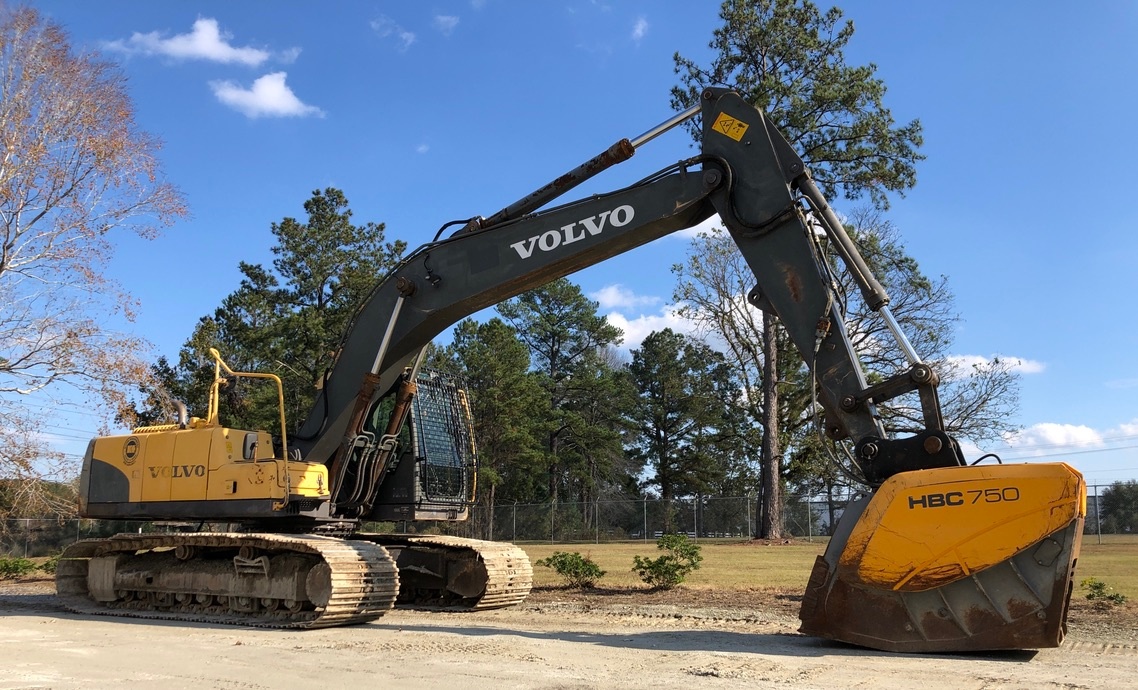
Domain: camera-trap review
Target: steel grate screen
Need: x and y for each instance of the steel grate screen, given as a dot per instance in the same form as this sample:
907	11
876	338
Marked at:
444	447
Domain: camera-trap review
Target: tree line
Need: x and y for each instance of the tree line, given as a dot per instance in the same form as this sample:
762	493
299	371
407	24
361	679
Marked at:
562	413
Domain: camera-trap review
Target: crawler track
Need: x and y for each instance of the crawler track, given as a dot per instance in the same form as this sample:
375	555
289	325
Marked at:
451	572
266	580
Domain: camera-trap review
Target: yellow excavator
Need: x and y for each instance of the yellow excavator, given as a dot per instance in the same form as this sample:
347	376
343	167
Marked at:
939	555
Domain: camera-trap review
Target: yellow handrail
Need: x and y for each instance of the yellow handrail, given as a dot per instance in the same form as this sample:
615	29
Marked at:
214	400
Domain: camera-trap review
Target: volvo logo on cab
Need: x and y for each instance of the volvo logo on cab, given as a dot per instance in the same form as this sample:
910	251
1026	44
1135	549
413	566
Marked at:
574	232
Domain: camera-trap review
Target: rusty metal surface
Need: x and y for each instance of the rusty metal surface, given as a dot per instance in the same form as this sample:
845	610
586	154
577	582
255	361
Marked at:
617	153
1020	603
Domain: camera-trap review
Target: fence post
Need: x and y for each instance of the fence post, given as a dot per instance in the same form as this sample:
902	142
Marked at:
552	510
1098	514
597	517
644	535
27	534
747	499
809	520
515	521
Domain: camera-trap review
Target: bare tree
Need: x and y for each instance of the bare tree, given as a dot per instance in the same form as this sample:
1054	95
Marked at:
74	169
979	399
711	289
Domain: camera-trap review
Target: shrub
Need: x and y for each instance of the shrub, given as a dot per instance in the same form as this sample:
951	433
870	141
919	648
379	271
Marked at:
672	568
576	570
1100	593
11	568
50	564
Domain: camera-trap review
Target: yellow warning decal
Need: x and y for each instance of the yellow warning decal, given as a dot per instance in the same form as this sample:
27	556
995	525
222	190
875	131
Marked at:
730	126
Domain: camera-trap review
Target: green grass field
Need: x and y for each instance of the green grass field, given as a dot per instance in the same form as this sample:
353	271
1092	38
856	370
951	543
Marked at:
753	565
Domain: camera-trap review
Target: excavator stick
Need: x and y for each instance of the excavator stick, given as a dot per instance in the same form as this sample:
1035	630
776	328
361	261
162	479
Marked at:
953	559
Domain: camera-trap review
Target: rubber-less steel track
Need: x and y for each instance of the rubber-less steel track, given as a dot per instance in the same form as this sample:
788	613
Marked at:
355	581
487	574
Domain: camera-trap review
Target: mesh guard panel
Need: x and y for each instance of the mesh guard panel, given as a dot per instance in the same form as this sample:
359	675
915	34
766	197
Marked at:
444	447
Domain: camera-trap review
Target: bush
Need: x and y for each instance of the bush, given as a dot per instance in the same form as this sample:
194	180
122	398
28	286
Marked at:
576	570
11	568
669	570
1100	593
50	564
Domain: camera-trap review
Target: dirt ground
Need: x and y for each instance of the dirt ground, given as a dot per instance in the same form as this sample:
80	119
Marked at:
558	639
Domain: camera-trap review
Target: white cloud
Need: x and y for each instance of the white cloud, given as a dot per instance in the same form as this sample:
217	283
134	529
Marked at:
386	27
639	327
706	226
1122	383
445	23
288	56
1027	366
1018	364
1047	436
205	41
422	148
268	97
617	296
477	4
639	29
1107	449
1126	429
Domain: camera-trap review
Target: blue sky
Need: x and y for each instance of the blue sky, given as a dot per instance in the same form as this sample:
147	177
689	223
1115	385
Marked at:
427	112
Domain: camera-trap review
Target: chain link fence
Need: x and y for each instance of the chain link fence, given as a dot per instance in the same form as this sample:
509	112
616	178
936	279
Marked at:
803	517
566	522
33	537
647	518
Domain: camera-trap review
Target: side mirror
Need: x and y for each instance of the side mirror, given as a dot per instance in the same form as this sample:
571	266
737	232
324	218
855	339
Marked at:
249	446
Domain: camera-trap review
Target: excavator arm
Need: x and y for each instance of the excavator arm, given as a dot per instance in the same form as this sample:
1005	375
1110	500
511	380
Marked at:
938	556
748	174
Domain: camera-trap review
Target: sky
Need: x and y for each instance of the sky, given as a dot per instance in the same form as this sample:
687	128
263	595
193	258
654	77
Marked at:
427	112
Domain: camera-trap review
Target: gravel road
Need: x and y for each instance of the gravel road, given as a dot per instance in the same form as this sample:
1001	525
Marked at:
545	643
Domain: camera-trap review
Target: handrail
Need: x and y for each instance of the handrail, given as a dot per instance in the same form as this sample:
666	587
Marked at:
214	403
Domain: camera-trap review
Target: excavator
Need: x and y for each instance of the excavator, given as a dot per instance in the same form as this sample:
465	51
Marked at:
938	555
